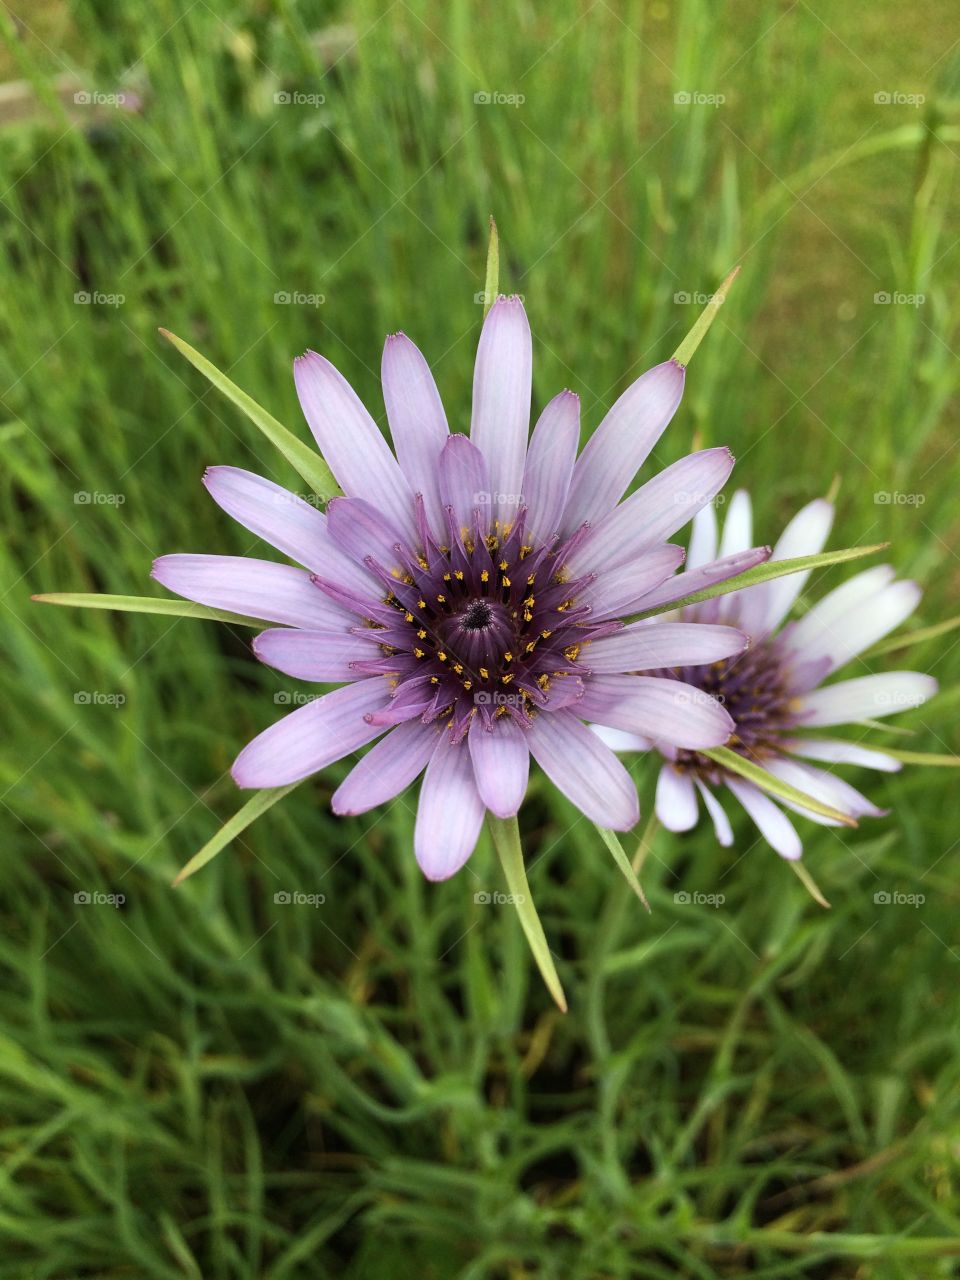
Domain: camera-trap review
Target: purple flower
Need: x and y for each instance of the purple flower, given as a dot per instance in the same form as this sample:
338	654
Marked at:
775	688
468	593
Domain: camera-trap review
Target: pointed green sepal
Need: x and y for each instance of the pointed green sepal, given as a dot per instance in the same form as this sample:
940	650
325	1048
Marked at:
145	604
684	353
735	763
246	815
612	841
765	572
506	840
491	283
305	461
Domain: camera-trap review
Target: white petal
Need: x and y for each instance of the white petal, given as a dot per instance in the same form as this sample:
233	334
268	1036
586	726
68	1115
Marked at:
676	802
620	740
703	537
866	698
738	525
721	823
774	825
763	608
836	751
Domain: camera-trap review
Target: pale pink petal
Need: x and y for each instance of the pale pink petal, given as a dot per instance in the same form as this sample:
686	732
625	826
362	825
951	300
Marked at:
501	763
450	811
387	768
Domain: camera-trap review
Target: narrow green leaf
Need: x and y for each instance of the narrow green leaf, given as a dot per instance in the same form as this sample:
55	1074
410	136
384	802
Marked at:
506	840
728	759
612	841
908	638
145	604
247	814
884	726
305	461
764	573
808	882
688	346
491	282
928	758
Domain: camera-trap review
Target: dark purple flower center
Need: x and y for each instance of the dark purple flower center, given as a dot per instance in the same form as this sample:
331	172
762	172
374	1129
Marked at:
756	688
486	623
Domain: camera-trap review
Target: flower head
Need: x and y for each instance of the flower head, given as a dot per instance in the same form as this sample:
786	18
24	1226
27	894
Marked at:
775	691
469	594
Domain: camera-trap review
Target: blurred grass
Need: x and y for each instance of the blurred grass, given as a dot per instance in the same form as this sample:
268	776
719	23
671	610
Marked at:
210	1083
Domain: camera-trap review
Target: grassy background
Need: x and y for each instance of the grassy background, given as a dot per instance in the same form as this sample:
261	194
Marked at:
206	1083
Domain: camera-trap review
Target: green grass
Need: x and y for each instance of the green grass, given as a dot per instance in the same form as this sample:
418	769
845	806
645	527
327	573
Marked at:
207	1083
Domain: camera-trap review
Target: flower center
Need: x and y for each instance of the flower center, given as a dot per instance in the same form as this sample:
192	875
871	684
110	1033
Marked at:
755	688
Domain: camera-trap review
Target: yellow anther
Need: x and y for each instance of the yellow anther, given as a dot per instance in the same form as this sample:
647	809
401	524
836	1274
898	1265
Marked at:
485	575
484	673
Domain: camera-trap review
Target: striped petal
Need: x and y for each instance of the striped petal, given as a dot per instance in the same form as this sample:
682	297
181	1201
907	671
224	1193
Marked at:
285	521
644	646
501	764
500	421
350	440
549	465
621	444
323	656
658	509
449	813
418	423
661	709
866	697
586	771
257	588
387	768
313	736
